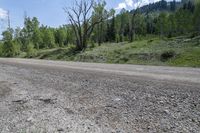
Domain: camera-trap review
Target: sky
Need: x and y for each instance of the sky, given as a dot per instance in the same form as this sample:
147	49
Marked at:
50	12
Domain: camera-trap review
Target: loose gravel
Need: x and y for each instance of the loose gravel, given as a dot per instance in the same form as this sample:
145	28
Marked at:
43	99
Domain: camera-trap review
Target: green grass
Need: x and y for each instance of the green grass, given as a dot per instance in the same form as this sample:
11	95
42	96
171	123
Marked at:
180	51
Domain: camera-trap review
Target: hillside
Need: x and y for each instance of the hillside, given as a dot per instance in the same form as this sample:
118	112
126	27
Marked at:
160	6
178	51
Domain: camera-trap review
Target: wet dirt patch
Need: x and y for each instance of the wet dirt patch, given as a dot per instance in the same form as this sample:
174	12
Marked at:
4	88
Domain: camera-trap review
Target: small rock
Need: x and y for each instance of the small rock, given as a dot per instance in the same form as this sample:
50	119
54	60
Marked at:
30	119
117	99
60	130
172	96
161	102
167	111
118	131
91	124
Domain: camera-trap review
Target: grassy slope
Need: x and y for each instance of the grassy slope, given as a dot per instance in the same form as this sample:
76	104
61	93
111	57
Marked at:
182	51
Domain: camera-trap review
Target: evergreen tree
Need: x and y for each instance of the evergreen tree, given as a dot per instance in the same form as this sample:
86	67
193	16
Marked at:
173	5
111	33
162	24
184	21
196	17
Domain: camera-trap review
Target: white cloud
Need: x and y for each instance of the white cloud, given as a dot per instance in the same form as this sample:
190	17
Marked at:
129	3
125	4
121	6
3	13
139	3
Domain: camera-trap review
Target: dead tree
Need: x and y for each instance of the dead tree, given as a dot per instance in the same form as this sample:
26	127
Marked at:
80	17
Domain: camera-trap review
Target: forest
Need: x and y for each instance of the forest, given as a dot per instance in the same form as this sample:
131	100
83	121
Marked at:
92	25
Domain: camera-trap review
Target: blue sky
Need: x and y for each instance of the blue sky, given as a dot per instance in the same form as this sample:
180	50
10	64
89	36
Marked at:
49	12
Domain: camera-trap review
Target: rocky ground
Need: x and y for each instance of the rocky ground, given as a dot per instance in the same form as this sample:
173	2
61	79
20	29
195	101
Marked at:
46	96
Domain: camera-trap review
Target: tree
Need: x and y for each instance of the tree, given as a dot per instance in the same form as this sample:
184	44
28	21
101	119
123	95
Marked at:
48	38
184	21
163	5
80	17
140	24
10	48
70	36
37	38
150	24
189	6
132	24
173	5
196	18
172	25
30	50
98	13
123	24
162	24
111	32
17	36
60	36
30	33
8	35
1	49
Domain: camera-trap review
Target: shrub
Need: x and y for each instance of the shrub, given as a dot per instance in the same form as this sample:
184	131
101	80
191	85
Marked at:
91	45
30	50
1	48
165	56
10	49
71	47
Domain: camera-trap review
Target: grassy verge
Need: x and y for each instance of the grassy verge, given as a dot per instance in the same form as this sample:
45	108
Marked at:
180	51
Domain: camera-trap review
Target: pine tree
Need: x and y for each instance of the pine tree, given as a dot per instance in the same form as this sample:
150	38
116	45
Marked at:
196	18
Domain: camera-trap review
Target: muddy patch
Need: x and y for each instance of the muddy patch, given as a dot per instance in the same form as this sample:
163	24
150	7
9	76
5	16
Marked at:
4	88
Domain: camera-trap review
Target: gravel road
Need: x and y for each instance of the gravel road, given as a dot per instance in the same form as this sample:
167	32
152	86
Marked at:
40	96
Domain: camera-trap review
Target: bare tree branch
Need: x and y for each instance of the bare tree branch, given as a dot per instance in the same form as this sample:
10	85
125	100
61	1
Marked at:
80	17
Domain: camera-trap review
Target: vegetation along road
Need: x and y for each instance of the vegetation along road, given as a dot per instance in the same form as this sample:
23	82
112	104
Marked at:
56	96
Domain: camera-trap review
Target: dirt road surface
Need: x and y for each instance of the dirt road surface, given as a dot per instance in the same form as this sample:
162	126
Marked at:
40	96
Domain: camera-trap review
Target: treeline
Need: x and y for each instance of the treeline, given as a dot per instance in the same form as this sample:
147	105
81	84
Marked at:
91	23
33	37
178	21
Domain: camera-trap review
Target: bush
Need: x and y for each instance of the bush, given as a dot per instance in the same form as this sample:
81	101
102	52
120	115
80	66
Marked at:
165	56
91	45
30	50
194	34
10	49
1	49
71	47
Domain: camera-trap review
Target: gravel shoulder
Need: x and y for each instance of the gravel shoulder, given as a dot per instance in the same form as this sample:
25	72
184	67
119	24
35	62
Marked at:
55	96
